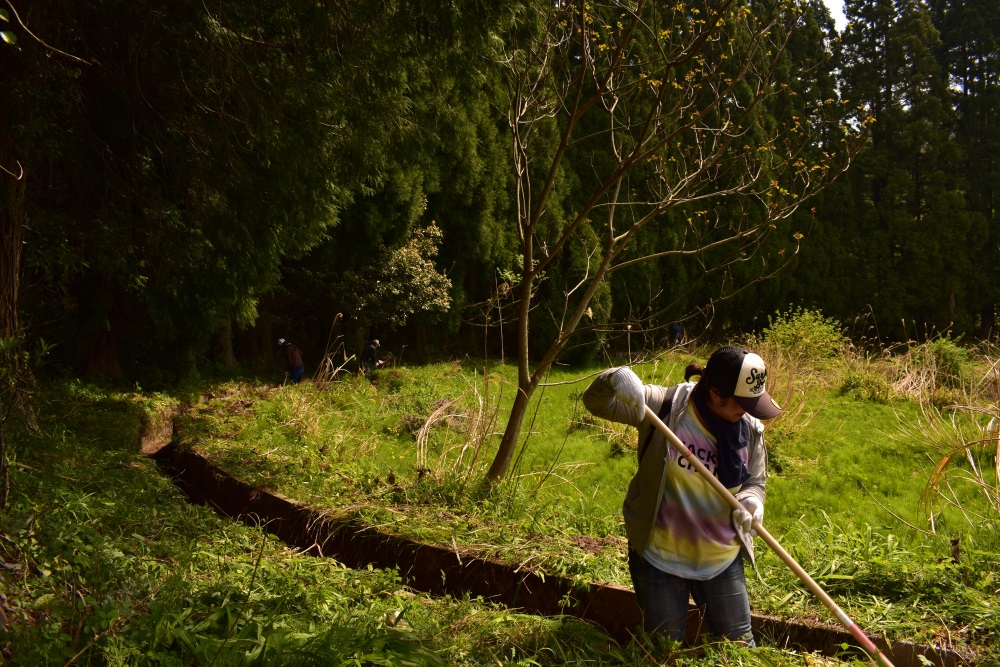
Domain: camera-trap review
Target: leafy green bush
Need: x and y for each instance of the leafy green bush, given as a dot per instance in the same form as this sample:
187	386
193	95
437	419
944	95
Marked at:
806	333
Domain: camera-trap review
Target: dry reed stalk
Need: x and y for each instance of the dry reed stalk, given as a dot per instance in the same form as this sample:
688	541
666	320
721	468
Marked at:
439	415
328	369
483	420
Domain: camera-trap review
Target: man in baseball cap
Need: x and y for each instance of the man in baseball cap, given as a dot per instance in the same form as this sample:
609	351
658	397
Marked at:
739	373
684	540
369	357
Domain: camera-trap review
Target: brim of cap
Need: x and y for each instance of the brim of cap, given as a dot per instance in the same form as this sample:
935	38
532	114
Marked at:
761	407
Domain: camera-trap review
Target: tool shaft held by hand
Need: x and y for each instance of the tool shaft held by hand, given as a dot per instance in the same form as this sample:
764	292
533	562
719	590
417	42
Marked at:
815	588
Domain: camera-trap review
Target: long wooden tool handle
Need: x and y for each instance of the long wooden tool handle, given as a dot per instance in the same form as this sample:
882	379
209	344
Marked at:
693	460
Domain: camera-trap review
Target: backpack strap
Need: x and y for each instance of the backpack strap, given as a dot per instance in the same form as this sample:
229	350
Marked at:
668	399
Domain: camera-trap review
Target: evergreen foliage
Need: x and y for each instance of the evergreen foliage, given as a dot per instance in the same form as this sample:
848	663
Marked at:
195	179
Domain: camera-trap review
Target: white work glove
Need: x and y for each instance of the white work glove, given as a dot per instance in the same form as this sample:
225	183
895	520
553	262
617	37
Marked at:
629	393
753	510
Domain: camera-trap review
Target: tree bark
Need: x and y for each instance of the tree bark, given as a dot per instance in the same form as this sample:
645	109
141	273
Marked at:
526	382
222	345
508	443
11	242
102	362
987	317
4	472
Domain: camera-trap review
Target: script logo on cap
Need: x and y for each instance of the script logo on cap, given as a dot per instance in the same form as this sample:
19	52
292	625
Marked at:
753	377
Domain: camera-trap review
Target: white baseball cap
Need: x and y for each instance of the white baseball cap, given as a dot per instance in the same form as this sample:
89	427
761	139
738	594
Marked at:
740	373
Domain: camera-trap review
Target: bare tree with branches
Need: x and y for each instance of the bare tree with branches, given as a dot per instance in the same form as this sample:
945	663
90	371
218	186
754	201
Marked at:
670	101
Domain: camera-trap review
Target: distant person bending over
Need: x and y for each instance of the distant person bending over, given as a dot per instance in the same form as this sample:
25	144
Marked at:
683	536
293	360
369	359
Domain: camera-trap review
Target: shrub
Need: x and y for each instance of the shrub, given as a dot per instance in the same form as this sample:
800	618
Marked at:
805	333
950	360
937	370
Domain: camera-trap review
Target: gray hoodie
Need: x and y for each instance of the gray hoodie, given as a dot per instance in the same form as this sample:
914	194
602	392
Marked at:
644	491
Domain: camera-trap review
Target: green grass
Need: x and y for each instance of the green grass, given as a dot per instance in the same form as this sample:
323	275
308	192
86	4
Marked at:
106	563
104	538
846	488
848	466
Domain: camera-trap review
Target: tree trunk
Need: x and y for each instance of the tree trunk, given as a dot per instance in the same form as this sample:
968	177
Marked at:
11	242
222	346
257	345
103	359
987	316
526	382
4	472
511	434
187	360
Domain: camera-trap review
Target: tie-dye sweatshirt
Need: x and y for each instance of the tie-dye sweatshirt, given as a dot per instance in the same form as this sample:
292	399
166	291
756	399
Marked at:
692	535
658	464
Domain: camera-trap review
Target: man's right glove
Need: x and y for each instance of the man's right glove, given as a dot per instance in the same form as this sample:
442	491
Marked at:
629	393
753	510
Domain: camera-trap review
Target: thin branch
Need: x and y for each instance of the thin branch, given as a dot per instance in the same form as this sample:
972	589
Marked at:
20	171
40	40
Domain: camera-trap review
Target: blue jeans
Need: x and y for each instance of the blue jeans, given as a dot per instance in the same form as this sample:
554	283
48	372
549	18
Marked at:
663	599
296	374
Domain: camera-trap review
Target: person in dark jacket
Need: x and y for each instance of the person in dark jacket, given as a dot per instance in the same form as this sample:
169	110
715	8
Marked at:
293	360
369	358
684	539
677	334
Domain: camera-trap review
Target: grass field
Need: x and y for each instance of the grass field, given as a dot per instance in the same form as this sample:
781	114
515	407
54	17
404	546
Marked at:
845	493
106	562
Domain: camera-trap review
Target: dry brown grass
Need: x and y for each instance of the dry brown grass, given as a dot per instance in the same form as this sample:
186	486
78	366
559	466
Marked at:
966	433
469	423
443	414
302	415
790	379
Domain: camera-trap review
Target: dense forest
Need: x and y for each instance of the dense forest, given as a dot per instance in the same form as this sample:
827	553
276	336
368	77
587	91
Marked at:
183	183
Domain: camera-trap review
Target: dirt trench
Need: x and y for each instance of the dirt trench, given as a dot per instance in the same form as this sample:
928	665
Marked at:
439	570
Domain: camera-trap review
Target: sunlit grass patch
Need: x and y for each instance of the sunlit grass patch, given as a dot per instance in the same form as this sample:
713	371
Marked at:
106	563
406	453
887	582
